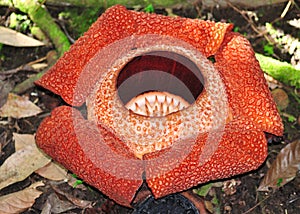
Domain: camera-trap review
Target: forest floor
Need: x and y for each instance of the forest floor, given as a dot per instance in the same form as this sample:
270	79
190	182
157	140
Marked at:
243	196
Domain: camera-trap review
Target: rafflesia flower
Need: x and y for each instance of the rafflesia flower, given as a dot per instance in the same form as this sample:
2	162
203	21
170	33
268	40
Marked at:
172	102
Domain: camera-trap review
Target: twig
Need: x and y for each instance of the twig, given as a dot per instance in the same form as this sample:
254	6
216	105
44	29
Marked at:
286	9
256	205
259	32
27	66
284	12
28	83
244	16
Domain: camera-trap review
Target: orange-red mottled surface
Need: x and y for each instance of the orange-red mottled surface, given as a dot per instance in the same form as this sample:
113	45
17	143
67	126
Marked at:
117	23
246	87
90	150
242	148
78	144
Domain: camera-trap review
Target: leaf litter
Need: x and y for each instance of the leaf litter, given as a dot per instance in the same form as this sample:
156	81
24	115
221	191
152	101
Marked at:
27	159
53	171
283	169
14	38
20	201
19	107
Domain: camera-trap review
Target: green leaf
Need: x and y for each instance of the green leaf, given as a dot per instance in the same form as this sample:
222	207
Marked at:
149	8
279	182
236	29
291	118
203	190
77	182
269	49
215	200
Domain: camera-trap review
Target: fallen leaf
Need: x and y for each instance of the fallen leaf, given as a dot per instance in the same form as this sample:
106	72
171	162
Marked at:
14	38
55	204
18	107
284	168
74	200
23	140
53	171
20	201
204	189
27	159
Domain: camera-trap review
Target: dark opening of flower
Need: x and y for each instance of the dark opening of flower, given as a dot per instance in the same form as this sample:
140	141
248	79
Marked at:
157	84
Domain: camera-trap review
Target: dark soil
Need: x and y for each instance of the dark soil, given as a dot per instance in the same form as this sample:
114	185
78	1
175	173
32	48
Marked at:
245	199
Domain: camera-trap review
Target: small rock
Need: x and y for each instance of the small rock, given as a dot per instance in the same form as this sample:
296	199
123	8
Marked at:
5	88
281	98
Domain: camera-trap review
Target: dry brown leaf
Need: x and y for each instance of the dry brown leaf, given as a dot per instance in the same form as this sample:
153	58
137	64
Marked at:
18	107
57	204
53	172
61	201
76	201
23	140
18	202
284	168
14	38
27	159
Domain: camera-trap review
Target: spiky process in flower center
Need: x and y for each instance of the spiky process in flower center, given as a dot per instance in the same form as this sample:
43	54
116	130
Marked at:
156	104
